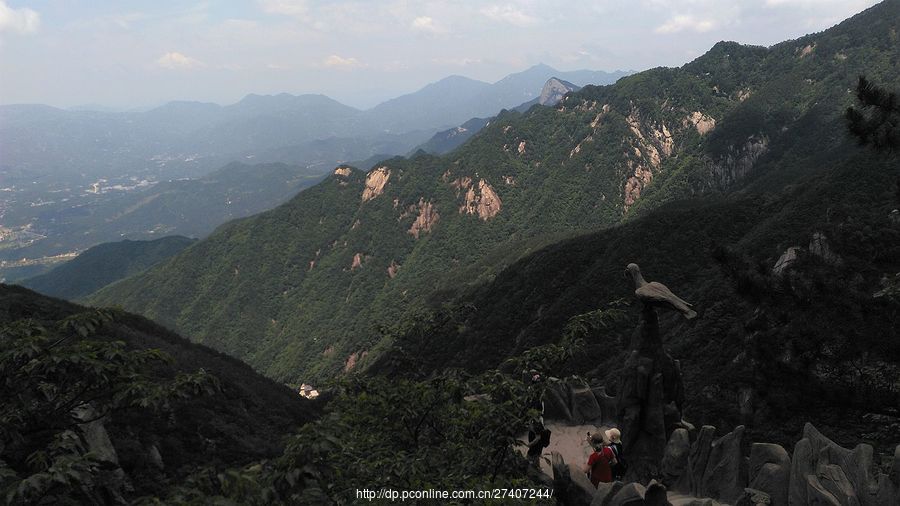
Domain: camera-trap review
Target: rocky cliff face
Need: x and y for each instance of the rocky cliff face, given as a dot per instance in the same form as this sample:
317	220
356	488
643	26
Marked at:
554	90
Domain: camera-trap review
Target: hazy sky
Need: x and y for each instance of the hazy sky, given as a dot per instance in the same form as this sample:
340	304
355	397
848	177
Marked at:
129	53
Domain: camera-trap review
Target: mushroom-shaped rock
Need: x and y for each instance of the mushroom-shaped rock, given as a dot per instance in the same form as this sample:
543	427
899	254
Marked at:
655	294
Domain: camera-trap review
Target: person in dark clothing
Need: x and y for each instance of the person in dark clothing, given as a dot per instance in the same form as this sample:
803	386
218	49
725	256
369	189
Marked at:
538	439
614	436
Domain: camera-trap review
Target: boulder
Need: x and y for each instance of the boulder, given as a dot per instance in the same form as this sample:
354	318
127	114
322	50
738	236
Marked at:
725	475
556	402
675	459
802	466
690	481
95	435
834	480
570	486
111	478
857	464
605	493
656	494
155	458
631	494
607	405
754	497
817	495
889	484
770	472
585	408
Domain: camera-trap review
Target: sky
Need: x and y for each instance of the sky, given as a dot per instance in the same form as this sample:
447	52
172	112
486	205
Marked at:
136	54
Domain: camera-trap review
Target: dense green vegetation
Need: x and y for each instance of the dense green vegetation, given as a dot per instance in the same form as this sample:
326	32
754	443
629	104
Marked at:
166	408
105	264
785	102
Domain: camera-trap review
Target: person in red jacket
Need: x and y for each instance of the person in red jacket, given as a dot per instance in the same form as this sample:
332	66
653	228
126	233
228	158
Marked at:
599	464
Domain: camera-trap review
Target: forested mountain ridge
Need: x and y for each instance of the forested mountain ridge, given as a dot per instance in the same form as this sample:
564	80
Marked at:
104	264
105	407
303	291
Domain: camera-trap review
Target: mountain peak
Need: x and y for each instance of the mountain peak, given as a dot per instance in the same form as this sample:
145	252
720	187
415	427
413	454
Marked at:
554	90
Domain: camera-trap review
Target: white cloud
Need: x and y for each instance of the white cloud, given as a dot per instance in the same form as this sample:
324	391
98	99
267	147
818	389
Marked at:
175	60
683	22
426	24
341	62
22	20
509	14
295	8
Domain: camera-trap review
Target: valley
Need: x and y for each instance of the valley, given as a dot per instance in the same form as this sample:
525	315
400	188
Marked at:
675	286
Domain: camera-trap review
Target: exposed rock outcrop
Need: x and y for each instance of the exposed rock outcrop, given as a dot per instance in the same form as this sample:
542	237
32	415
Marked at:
342	171
554	90
393	269
634	185
737	163
375	183
703	123
426	219
785	260
725	476
357	261
481	200
97	442
770	472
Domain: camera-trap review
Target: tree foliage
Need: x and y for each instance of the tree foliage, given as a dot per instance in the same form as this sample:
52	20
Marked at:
877	120
56	379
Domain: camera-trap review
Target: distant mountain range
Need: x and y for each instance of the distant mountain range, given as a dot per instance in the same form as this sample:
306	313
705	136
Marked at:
190	138
442	142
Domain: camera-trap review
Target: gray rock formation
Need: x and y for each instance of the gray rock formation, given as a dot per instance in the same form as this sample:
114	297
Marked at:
649	401
575	402
770	472
820	472
689	483
656	494
605	493
786	260
676	457
725	476
111	477
570	486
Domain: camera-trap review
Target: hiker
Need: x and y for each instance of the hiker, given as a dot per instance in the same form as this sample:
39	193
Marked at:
599	464
615	444
538	439
536	393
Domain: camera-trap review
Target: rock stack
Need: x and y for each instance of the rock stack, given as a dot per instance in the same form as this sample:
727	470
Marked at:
649	401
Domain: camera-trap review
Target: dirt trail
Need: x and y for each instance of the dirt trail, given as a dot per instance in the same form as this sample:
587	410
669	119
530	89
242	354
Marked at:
570	441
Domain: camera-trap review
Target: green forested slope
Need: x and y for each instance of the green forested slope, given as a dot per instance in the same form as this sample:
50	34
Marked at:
283	291
104	264
167	408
